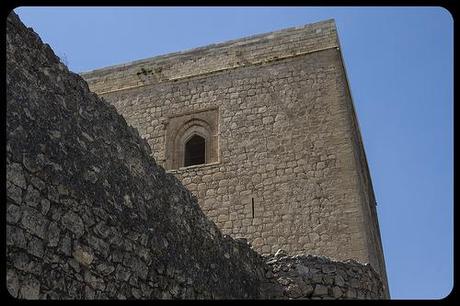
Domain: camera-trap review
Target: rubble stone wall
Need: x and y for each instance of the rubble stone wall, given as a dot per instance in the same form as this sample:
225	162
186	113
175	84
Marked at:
89	212
317	277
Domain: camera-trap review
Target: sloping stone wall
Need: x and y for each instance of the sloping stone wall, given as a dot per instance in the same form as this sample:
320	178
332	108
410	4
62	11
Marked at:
90	215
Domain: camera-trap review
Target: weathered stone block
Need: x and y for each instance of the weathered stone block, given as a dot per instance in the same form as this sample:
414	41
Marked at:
320	290
15	175
12	282
74	223
30	288
13	213
34	222
83	255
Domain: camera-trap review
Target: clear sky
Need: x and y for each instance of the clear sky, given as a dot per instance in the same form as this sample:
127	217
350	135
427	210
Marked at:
400	66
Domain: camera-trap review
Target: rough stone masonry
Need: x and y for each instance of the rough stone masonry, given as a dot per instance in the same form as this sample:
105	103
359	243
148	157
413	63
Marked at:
91	215
285	165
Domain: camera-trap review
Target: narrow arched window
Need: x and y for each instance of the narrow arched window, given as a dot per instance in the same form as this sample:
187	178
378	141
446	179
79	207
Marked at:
195	151
192	140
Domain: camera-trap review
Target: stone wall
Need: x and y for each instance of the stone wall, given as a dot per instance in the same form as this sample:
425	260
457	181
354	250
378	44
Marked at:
90	215
317	277
291	169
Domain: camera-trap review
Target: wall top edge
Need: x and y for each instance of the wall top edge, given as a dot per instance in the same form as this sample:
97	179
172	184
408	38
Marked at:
325	25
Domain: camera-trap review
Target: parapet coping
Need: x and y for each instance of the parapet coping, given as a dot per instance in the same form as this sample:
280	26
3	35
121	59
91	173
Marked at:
185	77
229	43
273	258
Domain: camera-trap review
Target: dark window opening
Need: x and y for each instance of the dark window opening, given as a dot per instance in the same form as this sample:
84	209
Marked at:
195	151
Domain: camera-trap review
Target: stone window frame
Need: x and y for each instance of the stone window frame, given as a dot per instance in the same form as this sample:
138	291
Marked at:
181	127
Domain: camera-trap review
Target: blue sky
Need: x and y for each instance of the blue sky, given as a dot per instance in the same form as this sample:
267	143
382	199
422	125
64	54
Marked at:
400	66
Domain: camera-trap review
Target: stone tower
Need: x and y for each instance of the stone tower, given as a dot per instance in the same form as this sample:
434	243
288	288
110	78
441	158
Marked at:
263	131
